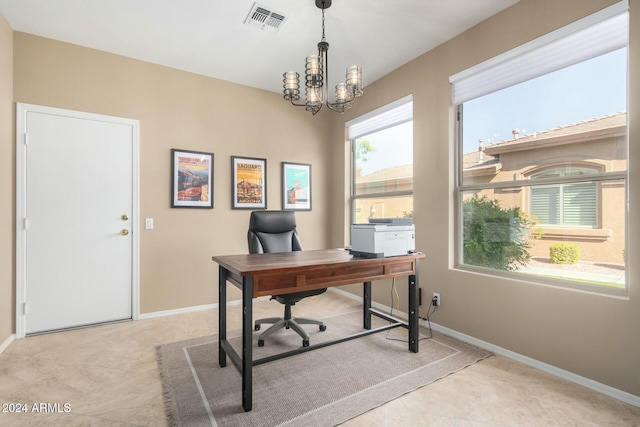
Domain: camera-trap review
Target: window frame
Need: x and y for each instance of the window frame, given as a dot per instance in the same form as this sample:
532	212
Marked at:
525	183
562	204
562	168
366	125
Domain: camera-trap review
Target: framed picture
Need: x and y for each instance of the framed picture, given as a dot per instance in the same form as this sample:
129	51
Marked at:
249	182
296	186
191	179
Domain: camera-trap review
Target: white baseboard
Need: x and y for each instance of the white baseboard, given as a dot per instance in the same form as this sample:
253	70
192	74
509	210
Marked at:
374	304
550	369
7	342
545	367
561	373
155	314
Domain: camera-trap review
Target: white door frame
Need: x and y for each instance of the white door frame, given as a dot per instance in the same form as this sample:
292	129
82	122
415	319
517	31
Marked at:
21	173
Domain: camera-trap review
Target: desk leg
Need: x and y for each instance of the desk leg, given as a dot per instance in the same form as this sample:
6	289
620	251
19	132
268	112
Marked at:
247	343
366	305
414	324
222	315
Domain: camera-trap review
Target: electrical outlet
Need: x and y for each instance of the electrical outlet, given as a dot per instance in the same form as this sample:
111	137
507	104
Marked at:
436	299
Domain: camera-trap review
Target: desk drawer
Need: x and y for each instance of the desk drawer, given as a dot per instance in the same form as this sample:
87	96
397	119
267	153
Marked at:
320	277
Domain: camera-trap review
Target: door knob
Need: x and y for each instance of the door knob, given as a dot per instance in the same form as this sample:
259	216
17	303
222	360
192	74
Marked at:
124	217
124	232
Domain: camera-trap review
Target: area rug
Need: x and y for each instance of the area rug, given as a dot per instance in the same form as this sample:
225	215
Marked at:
324	387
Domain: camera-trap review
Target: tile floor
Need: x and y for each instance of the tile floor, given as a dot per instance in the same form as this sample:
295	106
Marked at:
108	377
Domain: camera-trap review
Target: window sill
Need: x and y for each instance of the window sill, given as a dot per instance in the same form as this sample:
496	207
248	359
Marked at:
594	234
553	281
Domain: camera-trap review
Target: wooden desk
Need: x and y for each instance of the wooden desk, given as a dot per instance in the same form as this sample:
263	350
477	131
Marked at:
280	273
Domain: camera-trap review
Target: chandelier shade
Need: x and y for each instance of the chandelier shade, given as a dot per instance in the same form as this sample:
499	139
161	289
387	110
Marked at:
317	77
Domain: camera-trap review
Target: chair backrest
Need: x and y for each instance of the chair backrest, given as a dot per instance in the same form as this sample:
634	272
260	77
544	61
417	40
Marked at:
273	231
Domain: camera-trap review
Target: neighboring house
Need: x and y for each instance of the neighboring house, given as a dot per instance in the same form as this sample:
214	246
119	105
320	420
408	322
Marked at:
589	214
397	179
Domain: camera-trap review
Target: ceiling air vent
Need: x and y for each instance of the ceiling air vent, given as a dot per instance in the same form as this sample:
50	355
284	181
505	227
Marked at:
265	18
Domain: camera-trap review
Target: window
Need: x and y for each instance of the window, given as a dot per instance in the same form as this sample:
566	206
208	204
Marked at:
565	204
382	162
542	163
572	205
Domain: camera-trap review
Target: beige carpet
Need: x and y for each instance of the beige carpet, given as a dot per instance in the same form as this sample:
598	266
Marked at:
324	387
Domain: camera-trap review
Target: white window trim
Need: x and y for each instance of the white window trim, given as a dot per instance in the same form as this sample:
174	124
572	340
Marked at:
392	114
601	32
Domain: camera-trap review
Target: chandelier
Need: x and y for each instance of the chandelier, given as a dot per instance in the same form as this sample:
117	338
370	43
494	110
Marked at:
317	78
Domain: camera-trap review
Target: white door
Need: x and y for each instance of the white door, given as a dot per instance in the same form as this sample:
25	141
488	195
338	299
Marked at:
78	219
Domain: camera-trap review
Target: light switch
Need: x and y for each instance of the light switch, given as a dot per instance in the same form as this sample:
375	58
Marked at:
148	223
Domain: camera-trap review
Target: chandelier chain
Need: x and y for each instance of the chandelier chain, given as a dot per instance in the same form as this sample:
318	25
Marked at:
323	38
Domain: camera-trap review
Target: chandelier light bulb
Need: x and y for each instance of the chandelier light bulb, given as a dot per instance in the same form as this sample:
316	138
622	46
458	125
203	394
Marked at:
314	96
314	77
291	85
313	64
341	92
354	79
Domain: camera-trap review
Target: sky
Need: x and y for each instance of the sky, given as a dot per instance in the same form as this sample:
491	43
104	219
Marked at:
583	91
591	89
393	147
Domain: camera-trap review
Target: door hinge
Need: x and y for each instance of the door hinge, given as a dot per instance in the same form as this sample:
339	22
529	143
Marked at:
24	308
25	223
26	139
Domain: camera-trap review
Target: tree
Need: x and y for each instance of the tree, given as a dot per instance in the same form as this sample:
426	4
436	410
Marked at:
363	147
495	237
361	150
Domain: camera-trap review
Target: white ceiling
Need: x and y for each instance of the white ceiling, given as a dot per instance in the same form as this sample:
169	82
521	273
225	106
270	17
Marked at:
209	37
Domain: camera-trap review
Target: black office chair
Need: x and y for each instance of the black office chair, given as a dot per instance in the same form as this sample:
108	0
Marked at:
275	231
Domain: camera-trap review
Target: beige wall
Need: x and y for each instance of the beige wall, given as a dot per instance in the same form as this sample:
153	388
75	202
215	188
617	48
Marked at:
555	326
182	110
7	208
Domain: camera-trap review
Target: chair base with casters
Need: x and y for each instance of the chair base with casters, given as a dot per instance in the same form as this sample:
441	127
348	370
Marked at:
289	322
273	232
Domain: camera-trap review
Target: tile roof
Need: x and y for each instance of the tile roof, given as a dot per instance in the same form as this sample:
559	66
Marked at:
395	172
472	159
613	124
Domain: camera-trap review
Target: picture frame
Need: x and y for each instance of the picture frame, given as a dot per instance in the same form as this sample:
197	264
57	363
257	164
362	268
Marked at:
191	179
248	183
296	186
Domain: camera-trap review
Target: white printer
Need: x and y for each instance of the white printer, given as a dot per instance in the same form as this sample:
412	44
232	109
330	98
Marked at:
383	237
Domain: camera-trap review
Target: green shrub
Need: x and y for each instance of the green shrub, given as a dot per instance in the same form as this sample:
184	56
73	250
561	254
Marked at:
564	253
493	236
